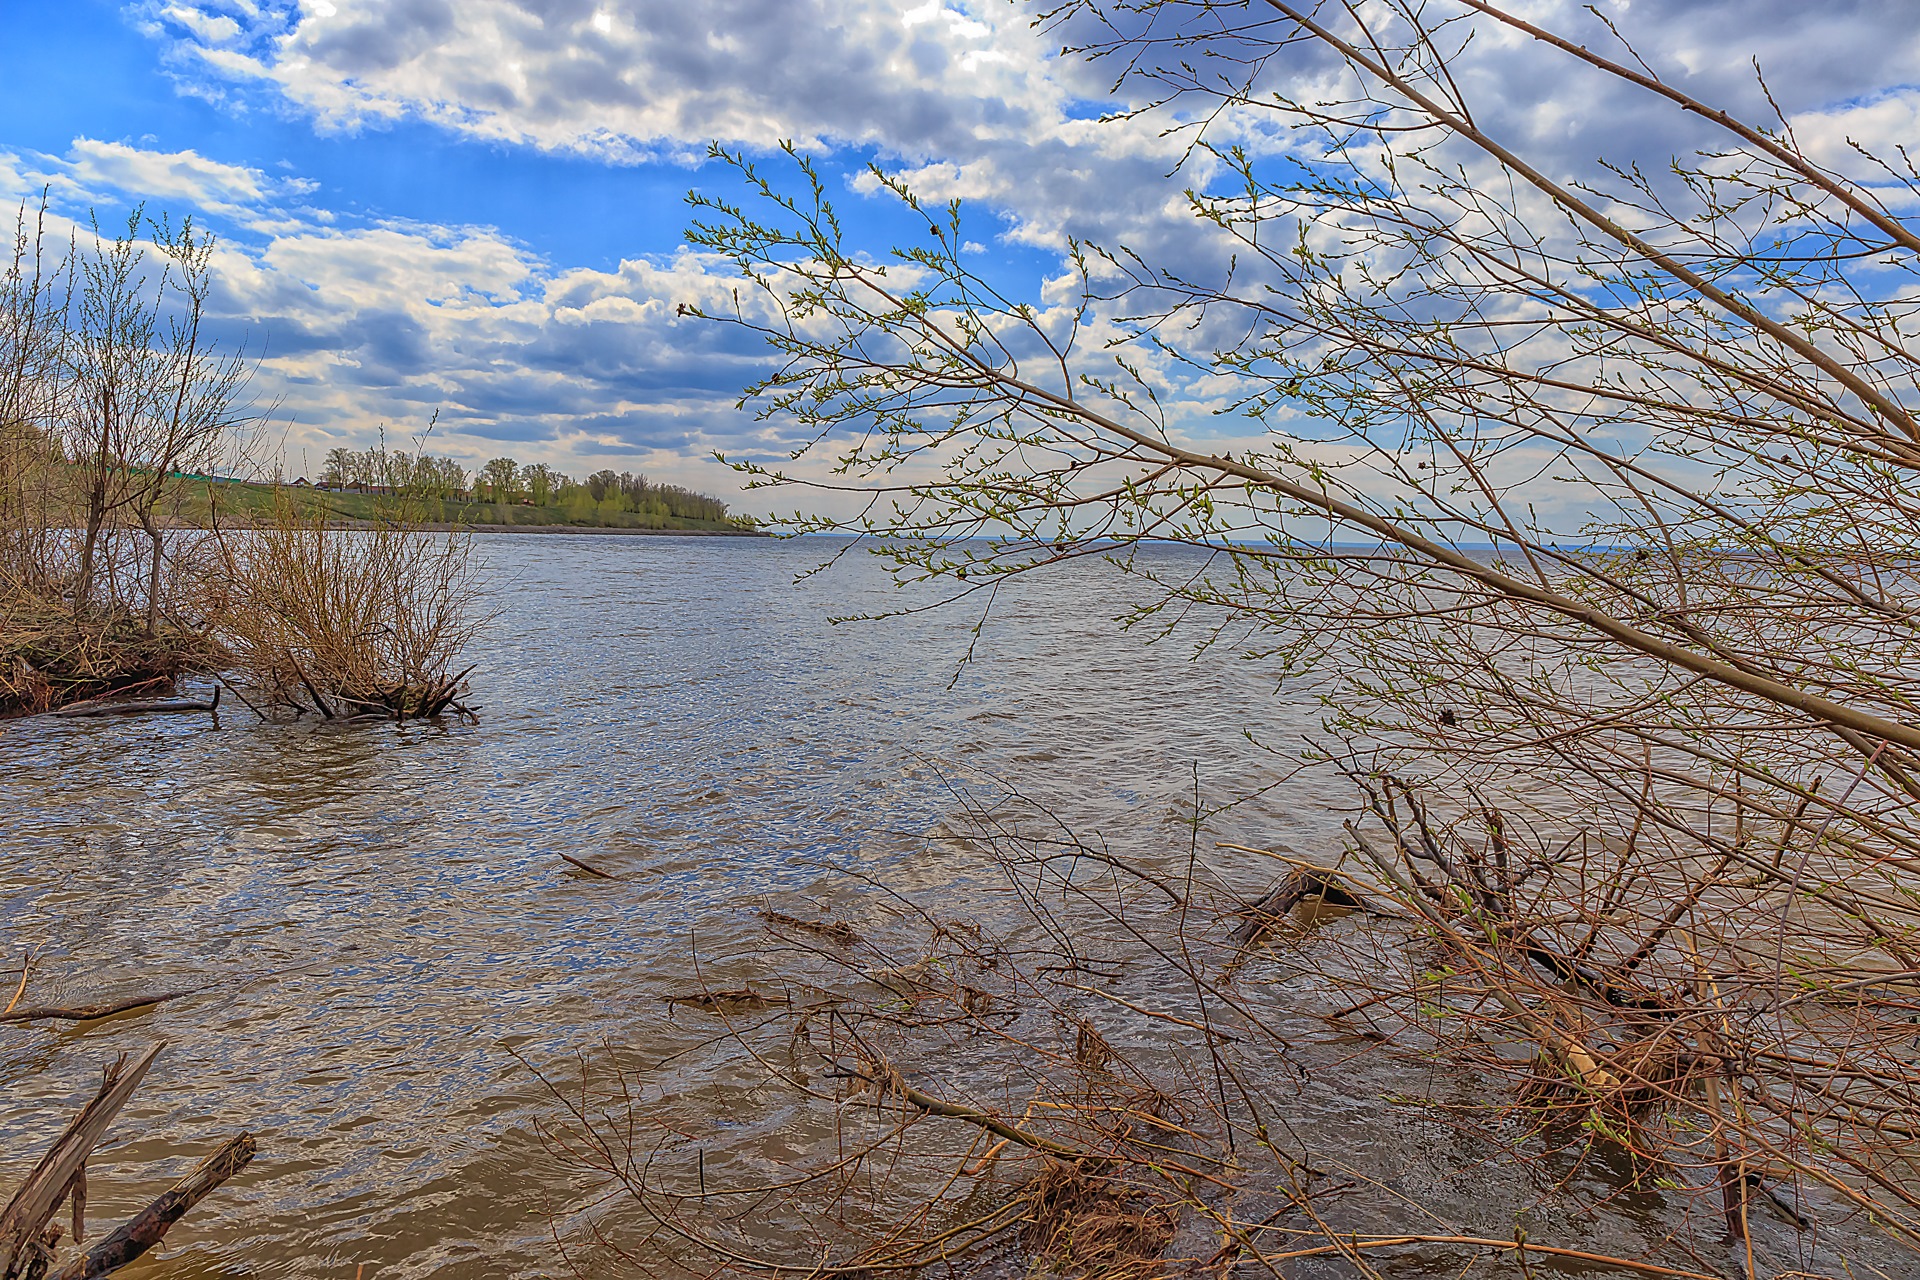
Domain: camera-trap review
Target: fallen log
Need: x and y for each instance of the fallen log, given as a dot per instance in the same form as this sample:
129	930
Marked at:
87	1012
146	1228
24	1240
147	707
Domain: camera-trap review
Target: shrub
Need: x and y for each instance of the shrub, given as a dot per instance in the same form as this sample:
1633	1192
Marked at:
364	620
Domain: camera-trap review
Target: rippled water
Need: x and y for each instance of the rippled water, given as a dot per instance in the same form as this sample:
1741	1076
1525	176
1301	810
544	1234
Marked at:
378	915
383	941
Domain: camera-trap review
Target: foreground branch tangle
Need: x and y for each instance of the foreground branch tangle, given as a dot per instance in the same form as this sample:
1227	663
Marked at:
1638	767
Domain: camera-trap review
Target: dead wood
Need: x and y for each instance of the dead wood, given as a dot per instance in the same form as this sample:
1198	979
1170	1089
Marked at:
589	868
887	1082
1260	917
737	1000
23	1227
243	700
87	1012
150	707
832	930
326	712
1092	1225
146	1228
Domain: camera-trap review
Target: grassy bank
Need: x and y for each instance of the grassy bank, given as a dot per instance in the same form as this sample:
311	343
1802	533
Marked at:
244	503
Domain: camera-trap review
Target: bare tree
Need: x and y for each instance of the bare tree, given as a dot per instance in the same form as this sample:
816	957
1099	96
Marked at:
1599	491
32	300
196	410
111	334
148	397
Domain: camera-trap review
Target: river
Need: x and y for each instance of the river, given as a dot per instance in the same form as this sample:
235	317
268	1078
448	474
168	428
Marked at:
383	940
377	914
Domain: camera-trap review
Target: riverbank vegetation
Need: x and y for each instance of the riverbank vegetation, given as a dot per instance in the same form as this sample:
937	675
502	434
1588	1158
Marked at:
109	386
124	567
1584	501
350	624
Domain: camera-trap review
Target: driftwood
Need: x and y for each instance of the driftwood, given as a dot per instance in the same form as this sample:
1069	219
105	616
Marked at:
148	707
833	931
445	695
1261	916
390	702
87	1012
738	1000
147	1227
25	1237
589	868
243	698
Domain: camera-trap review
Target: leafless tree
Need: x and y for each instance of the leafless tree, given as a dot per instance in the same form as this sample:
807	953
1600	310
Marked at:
32	297
1589	501
197	409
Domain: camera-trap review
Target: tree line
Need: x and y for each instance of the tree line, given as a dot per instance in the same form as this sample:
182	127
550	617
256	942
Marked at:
505	480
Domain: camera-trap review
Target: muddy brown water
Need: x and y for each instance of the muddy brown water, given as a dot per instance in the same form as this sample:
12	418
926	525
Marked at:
384	936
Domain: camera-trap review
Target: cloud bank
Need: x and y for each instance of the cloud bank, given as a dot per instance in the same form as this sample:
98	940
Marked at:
364	320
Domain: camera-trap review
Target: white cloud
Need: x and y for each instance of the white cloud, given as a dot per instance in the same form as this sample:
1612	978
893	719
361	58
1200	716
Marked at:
966	92
100	172
964	96
210	28
180	176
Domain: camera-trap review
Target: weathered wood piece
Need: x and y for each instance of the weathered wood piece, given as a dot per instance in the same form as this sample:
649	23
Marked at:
737	1000
834	931
1262	916
146	1228
33	1205
145	707
589	868
87	1012
244	701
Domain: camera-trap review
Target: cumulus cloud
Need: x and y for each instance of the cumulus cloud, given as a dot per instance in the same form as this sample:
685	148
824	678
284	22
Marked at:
578	368
358	328
95	171
964	96
967	96
211	29
968	84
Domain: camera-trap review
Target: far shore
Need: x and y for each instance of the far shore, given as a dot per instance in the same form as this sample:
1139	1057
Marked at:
575	528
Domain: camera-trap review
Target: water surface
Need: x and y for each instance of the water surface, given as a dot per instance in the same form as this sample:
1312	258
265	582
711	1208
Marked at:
379	919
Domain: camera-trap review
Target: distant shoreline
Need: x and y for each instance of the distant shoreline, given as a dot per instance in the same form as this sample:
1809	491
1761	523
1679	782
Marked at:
595	529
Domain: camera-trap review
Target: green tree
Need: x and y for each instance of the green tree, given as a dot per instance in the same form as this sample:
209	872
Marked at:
338	468
540	481
499	475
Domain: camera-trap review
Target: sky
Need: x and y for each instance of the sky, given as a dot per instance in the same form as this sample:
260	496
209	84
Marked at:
477	207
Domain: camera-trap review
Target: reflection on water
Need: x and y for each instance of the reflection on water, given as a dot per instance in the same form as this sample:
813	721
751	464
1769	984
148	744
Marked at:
378	918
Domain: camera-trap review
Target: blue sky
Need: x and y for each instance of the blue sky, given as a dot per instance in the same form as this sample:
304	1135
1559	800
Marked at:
117	103
96	73
476	206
